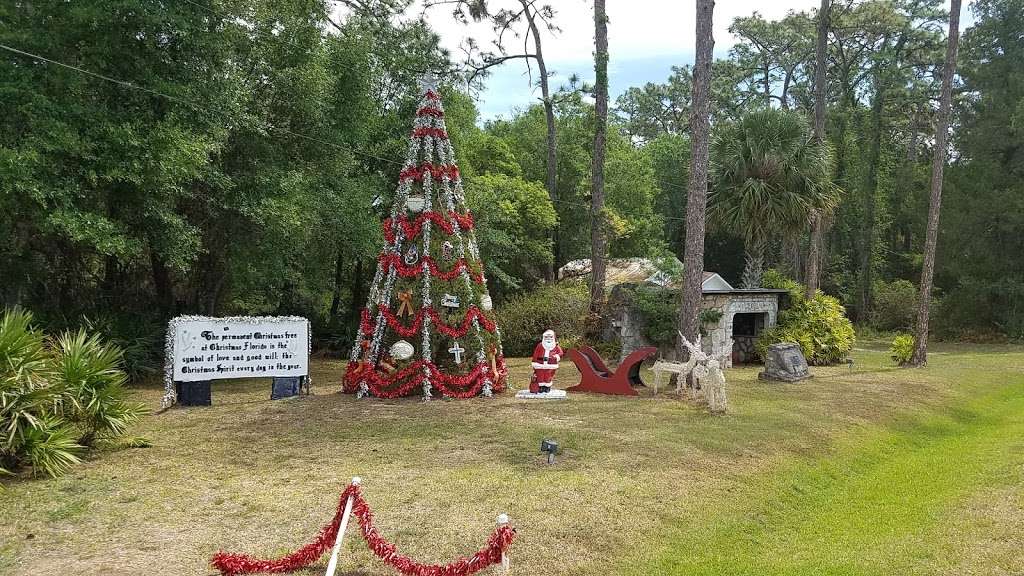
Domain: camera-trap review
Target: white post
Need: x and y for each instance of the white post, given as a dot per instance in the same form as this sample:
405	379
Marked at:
333	564
503	521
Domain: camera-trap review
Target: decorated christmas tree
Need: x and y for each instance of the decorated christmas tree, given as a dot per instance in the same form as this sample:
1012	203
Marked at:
428	326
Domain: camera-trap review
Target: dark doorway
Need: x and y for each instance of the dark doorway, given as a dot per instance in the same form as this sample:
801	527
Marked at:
746	327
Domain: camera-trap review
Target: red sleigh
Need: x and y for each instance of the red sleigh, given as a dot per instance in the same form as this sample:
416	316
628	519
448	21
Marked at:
596	377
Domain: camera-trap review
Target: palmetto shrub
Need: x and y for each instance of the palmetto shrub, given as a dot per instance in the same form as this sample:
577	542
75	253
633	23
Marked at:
57	397
90	372
31	429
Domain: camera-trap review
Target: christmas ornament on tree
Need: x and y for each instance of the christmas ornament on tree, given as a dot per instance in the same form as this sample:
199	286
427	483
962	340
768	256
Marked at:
430	256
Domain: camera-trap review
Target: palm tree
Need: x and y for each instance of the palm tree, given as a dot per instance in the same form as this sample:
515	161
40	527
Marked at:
768	176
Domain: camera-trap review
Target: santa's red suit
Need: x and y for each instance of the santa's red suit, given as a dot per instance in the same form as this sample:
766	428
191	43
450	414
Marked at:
545	363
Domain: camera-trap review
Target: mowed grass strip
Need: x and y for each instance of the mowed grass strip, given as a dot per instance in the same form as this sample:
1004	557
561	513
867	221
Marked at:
896	499
253	475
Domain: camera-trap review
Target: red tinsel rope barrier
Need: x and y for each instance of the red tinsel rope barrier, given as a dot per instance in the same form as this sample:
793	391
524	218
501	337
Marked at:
430	111
404	381
230	564
437	171
498	543
412	229
411	271
428	131
442	327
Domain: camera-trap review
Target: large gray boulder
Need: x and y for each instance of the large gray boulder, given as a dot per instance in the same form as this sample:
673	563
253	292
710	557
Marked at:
785	361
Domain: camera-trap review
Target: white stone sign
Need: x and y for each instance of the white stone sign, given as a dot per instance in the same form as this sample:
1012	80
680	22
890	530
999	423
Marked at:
204	348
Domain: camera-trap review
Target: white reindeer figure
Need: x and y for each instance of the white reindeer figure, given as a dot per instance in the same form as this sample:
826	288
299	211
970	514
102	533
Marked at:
680	369
714	386
707	375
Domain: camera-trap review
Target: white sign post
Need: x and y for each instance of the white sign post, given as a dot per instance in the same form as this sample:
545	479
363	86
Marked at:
203	348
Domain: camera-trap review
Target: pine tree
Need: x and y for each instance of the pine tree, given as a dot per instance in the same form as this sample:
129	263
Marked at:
428	324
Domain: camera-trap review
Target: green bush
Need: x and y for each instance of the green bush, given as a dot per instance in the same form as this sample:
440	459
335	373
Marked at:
772	278
779	333
562	307
902	349
659	308
818	325
895	305
55	400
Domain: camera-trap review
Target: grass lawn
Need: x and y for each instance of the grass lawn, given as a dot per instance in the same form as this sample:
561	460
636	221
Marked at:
873	470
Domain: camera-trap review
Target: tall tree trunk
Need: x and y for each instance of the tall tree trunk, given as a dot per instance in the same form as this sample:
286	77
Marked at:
920	357
551	181
792	253
817	219
216	294
358	291
598	246
767	86
697	190
336	297
784	97
915	136
161	284
870	192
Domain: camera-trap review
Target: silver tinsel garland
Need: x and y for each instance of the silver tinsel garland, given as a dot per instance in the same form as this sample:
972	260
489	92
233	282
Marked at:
426	352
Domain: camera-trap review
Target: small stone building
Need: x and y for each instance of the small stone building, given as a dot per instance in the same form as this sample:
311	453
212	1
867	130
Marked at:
741	314
744	315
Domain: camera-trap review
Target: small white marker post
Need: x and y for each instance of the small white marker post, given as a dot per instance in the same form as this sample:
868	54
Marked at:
505	562
333	564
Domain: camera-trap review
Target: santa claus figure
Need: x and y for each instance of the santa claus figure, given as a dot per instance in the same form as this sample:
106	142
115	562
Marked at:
545	362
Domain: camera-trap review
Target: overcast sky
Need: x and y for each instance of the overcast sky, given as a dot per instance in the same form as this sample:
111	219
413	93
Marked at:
645	38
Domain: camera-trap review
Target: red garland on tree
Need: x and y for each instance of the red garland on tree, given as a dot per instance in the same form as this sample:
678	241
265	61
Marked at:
473	313
416	270
383	384
412	229
436	172
497	544
431	273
